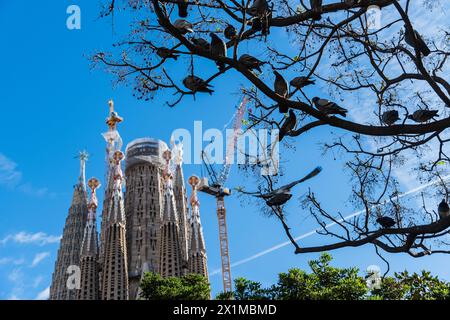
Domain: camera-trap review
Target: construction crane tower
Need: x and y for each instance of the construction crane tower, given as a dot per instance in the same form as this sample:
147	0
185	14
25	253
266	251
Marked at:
218	190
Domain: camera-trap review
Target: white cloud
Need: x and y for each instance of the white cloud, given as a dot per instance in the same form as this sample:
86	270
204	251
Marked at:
28	189
11	178
11	261
24	237
37	281
39	257
44	294
15	276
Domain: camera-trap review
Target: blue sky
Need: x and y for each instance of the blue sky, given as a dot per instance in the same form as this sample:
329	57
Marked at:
54	105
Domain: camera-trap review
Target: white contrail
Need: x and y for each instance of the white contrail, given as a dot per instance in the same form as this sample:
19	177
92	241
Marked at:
312	232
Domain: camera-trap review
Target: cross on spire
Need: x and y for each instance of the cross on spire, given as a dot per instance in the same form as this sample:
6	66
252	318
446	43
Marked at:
83	156
113	118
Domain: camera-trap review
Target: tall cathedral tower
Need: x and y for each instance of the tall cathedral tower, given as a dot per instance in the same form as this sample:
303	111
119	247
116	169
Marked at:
89	284
69	250
179	191
143	206
197	249
115	270
113	143
171	252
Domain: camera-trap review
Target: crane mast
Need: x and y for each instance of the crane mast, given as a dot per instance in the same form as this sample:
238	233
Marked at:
218	190
223	237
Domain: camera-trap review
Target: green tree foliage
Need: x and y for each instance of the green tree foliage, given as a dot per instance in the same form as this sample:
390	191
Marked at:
250	290
245	289
323	282
189	287
414	286
326	282
390	289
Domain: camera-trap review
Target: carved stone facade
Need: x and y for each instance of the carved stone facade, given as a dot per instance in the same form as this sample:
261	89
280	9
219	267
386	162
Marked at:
143	207
156	217
69	250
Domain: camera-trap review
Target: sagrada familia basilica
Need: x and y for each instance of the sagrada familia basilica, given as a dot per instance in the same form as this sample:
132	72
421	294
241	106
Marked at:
147	227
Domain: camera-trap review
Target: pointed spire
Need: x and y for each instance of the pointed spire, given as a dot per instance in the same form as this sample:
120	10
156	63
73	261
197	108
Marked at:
113	118
181	200
89	284
177	151
167	156
171	254
194	182
89	245
117	215
114	263
197	243
84	157
93	185
113	143
169	208
197	249
112	137
69	250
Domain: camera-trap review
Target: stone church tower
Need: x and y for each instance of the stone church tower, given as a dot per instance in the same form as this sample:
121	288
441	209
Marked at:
143	206
179	191
115	267
171	252
89	284
113	143
69	250
197	248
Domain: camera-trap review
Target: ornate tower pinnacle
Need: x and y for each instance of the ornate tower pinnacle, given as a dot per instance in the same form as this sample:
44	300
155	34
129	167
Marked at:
89	249
83	156
113	118
171	254
111	105
197	249
167	156
112	137
115	268
177	151
194	182
117	158
113	143
90	245
181	201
